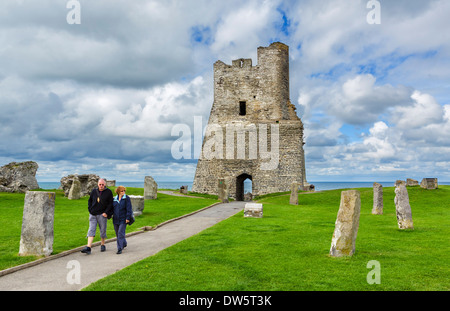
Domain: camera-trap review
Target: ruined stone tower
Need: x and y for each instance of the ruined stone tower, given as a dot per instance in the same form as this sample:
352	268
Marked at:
253	130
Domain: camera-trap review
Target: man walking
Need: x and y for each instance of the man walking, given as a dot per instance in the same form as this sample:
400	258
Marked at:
100	206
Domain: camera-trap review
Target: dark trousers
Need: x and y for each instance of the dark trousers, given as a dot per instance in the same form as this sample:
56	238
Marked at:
120	234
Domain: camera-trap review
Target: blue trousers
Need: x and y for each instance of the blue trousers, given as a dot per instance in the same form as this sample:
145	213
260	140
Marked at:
120	234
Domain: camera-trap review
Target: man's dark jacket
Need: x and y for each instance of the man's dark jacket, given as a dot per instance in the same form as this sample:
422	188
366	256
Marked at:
104	206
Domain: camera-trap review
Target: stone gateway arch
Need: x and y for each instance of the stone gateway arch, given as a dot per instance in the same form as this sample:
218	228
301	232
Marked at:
253	130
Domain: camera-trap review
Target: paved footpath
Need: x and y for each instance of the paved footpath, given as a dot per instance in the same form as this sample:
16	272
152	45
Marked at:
59	273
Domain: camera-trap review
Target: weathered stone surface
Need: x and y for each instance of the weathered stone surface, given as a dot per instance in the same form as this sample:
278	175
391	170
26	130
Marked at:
403	208
150	188
75	189
254	210
377	199
222	191
37	224
248	196
137	204
18	177
399	182
88	182
429	183
347	223
294	193
184	189
110	183
411	182
253	130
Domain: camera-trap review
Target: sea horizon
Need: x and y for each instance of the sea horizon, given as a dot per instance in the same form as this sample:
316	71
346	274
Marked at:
319	185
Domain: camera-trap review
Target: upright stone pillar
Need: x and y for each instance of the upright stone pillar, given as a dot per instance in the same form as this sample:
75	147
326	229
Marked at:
184	189
137	204
150	188
37	224
222	190
75	189
399	182
347	223
377	199
294	194
402	207
429	183
110	183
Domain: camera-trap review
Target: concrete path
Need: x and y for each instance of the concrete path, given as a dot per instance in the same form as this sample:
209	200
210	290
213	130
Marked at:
60	274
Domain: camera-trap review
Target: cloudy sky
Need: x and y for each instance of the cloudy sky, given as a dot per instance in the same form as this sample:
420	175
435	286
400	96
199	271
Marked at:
104	95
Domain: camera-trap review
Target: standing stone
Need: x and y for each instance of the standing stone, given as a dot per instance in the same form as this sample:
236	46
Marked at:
110	183
429	183
411	182
75	189
222	190
402	208
377	199
399	182
294	194
150	188
137	204
347	223
254	210
37	224
184	189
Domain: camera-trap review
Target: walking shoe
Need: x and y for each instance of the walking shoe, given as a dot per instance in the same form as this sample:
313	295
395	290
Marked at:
119	251
103	248
86	250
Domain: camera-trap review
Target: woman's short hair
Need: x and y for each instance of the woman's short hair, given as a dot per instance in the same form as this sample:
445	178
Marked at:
120	188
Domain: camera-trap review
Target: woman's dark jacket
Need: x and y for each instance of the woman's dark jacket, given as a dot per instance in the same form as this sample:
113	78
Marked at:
122	209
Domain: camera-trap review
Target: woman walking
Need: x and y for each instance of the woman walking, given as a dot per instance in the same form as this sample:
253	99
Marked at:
121	217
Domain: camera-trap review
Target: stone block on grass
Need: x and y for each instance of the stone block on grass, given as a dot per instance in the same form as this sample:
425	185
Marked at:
254	210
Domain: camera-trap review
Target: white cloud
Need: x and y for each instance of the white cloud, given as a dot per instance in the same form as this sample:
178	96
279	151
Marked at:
154	112
361	101
240	29
425	111
128	167
357	100
378	143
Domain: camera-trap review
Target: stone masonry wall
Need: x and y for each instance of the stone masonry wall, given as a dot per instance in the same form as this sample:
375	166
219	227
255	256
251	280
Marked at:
252	102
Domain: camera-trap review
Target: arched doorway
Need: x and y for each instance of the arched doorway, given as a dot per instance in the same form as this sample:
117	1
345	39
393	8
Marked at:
240	186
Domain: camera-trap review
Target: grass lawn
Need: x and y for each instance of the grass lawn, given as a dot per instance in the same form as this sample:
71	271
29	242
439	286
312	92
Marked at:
72	221
287	250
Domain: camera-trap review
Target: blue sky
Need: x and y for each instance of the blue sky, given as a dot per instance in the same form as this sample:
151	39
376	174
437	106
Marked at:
103	96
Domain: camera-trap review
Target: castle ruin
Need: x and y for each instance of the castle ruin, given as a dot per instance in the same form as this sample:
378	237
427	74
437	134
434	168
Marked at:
253	130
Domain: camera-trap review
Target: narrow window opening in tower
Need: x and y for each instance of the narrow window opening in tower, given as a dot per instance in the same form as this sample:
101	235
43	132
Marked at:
242	108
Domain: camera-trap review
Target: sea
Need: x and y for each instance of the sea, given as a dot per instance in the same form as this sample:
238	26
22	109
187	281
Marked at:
319	186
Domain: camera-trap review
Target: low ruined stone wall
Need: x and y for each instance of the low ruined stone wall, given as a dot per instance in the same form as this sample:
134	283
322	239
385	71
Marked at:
88	182
18	177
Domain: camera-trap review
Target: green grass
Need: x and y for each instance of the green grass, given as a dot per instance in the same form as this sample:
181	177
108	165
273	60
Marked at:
72	221
287	250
